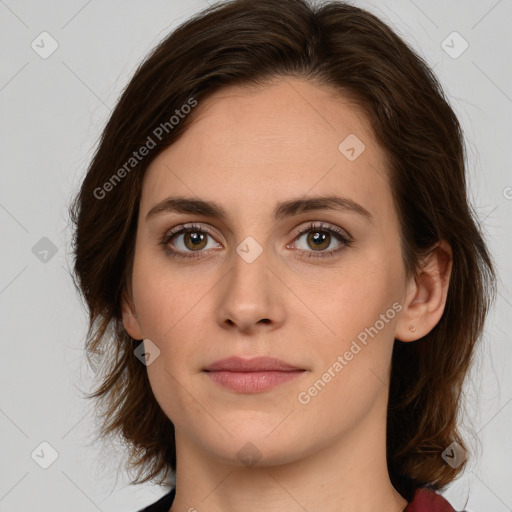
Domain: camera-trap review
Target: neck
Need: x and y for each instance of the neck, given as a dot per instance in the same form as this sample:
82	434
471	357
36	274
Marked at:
348	474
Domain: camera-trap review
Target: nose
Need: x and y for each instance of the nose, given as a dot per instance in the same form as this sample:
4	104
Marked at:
250	297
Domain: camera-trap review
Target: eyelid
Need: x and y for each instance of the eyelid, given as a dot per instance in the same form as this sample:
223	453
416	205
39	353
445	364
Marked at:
188	226
321	226
344	238
298	231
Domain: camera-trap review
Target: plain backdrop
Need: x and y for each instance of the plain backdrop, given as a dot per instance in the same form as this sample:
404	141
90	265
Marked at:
53	108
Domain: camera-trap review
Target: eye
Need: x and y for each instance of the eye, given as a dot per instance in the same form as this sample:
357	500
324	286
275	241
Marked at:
191	241
320	237
187	240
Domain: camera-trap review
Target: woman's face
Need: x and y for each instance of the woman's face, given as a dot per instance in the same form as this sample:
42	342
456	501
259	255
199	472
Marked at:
247	284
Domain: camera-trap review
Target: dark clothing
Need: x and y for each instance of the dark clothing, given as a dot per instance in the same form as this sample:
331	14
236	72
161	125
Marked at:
163	504
424	500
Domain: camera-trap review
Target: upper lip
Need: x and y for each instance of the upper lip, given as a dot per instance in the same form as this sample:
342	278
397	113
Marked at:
255	364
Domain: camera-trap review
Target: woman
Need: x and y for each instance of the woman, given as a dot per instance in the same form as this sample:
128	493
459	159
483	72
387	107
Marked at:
285	280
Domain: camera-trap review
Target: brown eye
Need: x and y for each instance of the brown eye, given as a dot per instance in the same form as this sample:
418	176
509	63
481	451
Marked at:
188	242
194	240
318	240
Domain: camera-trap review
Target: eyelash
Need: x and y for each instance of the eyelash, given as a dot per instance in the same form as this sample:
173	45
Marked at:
347	242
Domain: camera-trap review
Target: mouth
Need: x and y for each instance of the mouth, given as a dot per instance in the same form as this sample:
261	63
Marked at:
255	364
252	375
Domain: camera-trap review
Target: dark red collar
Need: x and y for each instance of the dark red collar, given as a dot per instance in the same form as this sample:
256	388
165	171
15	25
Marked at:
425	500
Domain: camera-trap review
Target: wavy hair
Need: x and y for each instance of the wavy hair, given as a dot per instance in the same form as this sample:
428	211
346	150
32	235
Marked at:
351	50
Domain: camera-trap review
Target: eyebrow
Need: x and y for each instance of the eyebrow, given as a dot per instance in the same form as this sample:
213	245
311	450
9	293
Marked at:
282	209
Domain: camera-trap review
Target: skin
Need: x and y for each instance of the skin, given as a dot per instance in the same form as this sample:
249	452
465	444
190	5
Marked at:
248	149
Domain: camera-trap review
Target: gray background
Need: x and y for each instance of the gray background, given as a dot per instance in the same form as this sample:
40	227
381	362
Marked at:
53	110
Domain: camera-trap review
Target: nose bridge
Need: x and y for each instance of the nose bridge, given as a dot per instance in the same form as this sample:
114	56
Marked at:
249	279
249	292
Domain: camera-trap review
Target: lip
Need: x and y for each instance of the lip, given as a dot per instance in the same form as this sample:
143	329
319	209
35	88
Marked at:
255	364
252	375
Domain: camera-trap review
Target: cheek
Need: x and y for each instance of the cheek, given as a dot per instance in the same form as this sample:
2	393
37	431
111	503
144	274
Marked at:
162	298
171	311
168	311
355	361
359	292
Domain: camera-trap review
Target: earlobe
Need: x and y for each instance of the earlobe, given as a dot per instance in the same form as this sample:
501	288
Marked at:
427	294
130	322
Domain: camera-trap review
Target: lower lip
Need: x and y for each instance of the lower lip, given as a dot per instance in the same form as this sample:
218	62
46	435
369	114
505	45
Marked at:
252	382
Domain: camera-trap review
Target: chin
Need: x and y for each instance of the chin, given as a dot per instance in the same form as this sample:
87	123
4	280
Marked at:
255	448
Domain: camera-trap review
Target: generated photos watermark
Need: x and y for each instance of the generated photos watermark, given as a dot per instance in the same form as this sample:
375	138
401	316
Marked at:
139	155
304	397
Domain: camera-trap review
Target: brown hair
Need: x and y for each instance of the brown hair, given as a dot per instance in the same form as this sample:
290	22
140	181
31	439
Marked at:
345	47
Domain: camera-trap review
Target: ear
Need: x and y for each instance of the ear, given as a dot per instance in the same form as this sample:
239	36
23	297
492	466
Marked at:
130	321
426	295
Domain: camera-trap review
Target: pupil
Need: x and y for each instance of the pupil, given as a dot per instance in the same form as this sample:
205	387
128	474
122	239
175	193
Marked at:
319	238
196	238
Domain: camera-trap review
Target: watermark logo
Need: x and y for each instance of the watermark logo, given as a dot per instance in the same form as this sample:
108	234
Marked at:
147	352
44	455
249	454
351	147
249	249
44	250
454	45
454	455
44	45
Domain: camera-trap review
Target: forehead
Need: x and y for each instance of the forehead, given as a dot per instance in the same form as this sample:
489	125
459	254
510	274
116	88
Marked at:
258	145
